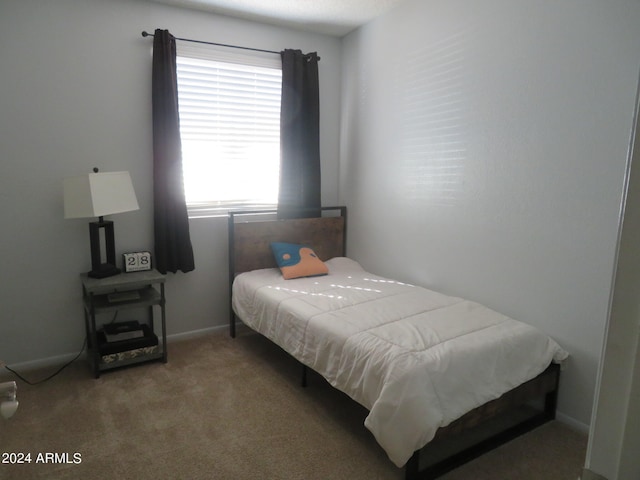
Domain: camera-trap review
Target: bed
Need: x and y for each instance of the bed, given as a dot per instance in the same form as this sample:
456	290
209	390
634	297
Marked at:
427	366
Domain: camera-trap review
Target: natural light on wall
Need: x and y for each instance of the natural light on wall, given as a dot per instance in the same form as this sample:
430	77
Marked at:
433	136
230	129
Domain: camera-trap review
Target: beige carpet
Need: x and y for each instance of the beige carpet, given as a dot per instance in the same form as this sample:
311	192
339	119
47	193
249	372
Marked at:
229	409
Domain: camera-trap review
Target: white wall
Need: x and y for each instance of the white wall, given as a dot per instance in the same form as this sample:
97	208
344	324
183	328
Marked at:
483	154
76	93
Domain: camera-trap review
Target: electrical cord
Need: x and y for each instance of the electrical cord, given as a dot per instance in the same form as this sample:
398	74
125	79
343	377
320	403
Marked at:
84	345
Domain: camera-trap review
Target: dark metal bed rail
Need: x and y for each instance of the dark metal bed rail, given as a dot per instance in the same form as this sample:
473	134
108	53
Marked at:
544	386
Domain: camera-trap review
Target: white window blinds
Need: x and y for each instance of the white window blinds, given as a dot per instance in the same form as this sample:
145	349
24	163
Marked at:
229	107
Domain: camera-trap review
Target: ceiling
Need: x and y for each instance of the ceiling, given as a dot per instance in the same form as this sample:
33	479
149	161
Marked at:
331	17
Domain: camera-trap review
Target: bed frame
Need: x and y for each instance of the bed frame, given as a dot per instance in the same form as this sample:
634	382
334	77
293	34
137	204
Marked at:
250	236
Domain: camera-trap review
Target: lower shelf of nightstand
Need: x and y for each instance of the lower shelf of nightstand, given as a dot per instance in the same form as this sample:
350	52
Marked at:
149	357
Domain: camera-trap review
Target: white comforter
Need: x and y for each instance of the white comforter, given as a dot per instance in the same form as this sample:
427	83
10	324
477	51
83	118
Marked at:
416	359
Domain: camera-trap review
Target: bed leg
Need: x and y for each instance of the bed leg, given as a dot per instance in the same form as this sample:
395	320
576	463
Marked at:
304	376
551	398
232	325
413	466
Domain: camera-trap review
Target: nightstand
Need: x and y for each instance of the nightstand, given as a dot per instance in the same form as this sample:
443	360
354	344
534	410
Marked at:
123	292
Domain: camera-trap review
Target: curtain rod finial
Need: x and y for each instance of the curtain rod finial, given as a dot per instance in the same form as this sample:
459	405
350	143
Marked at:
144	33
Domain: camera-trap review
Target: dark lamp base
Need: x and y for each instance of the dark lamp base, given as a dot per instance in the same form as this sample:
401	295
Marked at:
105	270
98	268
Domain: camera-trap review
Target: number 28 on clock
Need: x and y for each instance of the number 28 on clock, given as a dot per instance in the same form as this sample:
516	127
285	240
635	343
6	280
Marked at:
136	261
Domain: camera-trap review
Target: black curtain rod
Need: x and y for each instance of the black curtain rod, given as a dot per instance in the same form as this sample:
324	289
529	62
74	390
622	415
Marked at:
147	34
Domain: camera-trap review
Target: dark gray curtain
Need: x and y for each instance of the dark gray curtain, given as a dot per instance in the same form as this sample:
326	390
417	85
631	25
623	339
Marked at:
173	249
299	136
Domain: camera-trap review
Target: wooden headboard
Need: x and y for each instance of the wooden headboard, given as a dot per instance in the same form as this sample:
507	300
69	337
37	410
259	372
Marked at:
251	234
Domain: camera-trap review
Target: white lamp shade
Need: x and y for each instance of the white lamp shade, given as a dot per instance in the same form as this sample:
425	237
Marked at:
98	194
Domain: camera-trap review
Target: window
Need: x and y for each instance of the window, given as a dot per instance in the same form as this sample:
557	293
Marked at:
229	107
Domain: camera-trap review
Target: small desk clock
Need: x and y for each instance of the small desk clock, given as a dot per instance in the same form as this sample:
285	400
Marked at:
136	261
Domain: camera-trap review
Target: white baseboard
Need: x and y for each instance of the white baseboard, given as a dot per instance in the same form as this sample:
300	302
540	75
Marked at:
589	475
196	333
55	361
59	360
572	423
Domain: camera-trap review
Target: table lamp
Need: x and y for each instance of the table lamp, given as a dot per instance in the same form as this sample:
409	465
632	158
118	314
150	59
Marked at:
95	195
